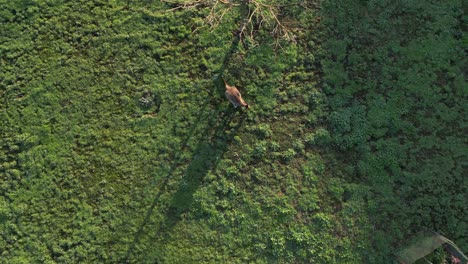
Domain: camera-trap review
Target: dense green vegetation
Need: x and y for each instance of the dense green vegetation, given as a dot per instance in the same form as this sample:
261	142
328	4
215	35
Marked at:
395	78
117	144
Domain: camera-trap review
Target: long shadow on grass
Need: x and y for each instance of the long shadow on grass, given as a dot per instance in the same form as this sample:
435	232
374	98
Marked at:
209	150
205	158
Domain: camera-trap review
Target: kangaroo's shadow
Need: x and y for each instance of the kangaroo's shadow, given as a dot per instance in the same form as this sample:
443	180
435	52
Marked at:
206	157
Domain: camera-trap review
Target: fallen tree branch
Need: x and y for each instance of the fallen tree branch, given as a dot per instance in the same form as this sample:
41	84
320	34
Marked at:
258	15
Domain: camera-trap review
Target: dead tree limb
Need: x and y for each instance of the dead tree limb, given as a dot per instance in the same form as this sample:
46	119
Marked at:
259	15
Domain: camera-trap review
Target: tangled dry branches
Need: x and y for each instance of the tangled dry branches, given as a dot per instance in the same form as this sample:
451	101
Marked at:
257	15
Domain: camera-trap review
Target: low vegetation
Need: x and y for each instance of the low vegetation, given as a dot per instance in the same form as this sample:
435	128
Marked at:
117	143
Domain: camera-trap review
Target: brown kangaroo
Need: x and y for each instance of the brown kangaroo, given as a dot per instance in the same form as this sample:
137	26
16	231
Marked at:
234	96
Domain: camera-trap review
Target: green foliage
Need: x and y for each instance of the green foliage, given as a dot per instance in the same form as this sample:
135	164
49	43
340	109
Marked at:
392	72
320	137
117	144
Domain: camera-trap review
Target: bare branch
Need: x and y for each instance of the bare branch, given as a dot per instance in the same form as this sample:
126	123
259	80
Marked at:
259	14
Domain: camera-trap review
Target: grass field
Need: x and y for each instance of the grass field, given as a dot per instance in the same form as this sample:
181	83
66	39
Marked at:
118	145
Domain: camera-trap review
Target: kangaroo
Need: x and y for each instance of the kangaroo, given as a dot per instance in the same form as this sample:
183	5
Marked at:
234	96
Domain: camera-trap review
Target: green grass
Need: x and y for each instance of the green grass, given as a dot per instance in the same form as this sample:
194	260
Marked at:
117	144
